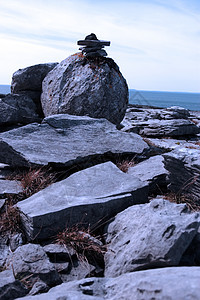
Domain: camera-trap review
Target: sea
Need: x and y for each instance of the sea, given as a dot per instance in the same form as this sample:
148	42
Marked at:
190	101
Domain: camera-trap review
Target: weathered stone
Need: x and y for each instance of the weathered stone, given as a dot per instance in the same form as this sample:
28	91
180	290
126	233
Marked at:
16	109
15	241
151	170
39	287
30	78
10	187
148	236
156	128
57	252
171	144
2	202
30	259
10	288
93	43
4	252
78	86
67	140
5	171
86	197
96	53
183	165
166	283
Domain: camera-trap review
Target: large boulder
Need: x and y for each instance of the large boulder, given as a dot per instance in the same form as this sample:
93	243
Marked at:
67	140
30	78
149	236
81	86
17	109
90	196
28	81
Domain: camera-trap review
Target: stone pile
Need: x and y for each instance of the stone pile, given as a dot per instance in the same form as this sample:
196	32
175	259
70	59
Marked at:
92	47
111	182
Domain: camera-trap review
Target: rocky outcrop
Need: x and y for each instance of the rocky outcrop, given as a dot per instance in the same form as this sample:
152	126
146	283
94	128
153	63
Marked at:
17	109
157	122
87	197
66	140
166	283
148	236
183	165
81	86
28	81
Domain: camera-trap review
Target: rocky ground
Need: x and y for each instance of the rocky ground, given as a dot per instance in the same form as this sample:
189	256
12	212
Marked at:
93	211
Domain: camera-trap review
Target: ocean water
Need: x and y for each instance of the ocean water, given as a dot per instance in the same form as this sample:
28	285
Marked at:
165	99
160	99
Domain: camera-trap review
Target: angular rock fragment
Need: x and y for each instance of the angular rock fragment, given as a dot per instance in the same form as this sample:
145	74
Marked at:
17	109
31	260
10	187
149	236
183	165
66	139
87	197
10	288
153	171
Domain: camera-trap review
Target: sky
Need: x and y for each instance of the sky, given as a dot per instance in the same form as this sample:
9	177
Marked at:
156	43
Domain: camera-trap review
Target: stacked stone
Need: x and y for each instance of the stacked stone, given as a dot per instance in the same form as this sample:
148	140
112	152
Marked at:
93	47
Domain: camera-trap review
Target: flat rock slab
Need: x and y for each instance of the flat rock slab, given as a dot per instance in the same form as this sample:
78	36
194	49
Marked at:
167	283
66	139
151	170
183	165
10	187
86	197
149	236
161	128
171	144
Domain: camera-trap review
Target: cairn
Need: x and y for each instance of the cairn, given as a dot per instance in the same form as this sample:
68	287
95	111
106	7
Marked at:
92	47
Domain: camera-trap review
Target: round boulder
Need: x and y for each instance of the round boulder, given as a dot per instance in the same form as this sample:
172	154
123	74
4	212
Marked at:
85	86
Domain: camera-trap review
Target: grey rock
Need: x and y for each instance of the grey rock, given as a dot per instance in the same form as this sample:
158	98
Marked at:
78	86
151	170
166	283
30	78
79	270
4	252
31	260
10	288
15	241
171	144
67	140
5	171
58	252
86	197
96	53
85	289
16	109
161	128
39	287
93	43
2	202
10	187
148	236
183	165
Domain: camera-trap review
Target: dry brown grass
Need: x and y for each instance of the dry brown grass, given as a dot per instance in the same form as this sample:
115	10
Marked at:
82	242
183	198
9	220
124	165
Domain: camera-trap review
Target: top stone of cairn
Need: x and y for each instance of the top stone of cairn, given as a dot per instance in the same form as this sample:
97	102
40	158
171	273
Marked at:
92	46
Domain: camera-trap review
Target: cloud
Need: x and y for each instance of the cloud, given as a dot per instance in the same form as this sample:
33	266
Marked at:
154	42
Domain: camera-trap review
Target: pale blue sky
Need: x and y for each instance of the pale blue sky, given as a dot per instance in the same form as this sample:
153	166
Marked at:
156	43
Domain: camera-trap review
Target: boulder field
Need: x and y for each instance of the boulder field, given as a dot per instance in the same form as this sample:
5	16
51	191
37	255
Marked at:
91	210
